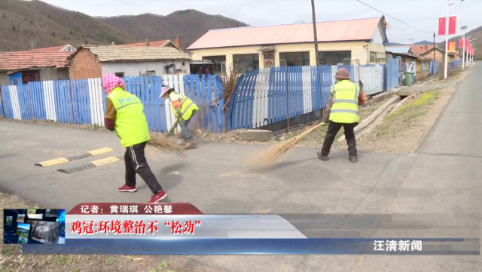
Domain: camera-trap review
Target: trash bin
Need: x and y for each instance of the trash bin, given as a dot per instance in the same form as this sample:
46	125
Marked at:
408	79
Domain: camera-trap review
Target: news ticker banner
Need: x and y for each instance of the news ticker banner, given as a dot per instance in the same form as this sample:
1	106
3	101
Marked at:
180	228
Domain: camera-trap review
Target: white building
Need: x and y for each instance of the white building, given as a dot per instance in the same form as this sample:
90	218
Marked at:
127	61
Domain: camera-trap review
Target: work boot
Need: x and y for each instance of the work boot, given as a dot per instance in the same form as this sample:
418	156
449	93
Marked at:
322	157
190	145
353	159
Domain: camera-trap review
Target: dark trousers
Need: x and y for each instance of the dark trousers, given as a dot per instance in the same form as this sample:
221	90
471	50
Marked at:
136	162
186	134
333	129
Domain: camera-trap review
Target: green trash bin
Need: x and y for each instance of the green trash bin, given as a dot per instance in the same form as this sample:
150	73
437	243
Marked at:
408	78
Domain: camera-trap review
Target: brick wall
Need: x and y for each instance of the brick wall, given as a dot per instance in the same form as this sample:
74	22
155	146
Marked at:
85	65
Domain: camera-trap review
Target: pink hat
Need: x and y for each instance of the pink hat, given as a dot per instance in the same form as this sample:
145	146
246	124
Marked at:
110	82
164	90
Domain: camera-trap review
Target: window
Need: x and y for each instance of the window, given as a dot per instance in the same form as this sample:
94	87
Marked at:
335	57
15	81
295	59
246	63
373	57
120	74
377	57
149	73
219	63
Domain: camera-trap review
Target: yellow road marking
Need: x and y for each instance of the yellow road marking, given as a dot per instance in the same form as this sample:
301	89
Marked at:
100	151
52	162
105	161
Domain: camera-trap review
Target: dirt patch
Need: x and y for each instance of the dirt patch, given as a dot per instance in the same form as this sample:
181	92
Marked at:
404	130
12	258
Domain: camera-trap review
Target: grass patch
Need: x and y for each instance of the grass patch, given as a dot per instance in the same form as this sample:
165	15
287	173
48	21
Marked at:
402	117
422	100
109	261
163	265
130	258
62	260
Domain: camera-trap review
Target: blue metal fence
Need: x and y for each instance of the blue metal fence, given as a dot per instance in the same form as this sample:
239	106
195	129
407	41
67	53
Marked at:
394	69
83	101
434	67
260	97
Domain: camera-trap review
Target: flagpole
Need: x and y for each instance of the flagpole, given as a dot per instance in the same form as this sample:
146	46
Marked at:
463	47
463	53
446	38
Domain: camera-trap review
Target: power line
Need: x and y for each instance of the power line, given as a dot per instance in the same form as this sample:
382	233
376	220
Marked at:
431	33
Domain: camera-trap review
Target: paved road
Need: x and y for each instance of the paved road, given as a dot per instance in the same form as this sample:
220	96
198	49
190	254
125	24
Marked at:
443	177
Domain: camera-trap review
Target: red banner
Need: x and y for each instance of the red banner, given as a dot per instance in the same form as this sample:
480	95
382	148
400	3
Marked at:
451	46
461	43
442	26
452	25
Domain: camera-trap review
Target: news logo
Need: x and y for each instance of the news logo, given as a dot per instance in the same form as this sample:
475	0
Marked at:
34	226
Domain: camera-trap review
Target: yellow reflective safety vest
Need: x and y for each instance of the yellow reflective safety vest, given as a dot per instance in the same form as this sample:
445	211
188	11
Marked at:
345	103
187	107
130	122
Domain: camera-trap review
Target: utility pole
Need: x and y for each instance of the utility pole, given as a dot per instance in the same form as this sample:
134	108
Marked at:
434	45
313	14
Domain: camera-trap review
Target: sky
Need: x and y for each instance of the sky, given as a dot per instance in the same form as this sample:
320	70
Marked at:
421	14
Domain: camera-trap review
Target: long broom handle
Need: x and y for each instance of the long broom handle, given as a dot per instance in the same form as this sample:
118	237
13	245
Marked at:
171	131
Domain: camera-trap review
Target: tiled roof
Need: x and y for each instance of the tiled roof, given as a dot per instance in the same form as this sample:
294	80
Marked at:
156	43
456	53
31	59
49	49
348	30
108	53
420	49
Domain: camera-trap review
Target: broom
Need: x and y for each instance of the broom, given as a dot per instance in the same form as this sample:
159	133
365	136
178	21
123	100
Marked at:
164	144
269	157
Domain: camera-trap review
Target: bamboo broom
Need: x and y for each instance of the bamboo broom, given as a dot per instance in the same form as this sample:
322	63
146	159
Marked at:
164	144
269	157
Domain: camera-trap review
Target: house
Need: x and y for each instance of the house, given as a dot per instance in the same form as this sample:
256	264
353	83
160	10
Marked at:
408	58
24	66
427	51
358	41
93	61
162	43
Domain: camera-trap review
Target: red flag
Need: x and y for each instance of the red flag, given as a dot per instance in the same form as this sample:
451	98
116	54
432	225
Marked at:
461	43
452	25
441	26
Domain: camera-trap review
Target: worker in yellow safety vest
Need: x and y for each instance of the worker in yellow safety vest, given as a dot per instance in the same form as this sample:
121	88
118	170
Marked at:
342	112
184	110
125	116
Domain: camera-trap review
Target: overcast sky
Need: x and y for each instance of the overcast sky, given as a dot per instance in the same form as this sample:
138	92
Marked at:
422	14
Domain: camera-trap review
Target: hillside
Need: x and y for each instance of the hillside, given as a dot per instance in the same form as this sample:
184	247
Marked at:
190	25
424	42
43	25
